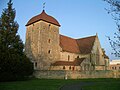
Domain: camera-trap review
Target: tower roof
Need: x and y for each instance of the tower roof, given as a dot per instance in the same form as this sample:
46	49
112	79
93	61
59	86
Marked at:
43	16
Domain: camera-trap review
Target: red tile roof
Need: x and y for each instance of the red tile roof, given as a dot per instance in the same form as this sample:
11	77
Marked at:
43	16
86	44
81	46
62	63
68	44
68	63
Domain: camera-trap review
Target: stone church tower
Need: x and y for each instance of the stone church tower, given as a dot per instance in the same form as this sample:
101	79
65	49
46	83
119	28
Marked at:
42	40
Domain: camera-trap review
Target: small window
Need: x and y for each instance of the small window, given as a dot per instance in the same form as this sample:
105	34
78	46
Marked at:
49	26
63	67
113	68
70	68
35	64
68	57
49	51
49	41
77	56
73	68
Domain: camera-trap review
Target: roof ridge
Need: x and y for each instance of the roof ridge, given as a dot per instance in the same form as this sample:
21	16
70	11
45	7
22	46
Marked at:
67	36
78	38
83	45
86	37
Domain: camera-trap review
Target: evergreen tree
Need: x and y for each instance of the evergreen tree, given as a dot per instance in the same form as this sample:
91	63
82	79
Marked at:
13	62
114	10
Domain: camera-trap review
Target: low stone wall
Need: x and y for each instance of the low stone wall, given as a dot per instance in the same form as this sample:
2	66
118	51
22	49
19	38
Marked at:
62	74
92	74
50	74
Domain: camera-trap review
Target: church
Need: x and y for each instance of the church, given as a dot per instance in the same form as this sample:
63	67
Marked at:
49	50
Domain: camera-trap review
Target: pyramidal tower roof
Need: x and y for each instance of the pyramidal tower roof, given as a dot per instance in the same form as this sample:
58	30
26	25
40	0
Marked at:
44	17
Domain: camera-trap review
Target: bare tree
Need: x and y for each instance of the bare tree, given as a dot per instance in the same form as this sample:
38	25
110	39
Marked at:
114	11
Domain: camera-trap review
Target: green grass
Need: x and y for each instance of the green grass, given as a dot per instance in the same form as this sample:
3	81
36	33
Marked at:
55	84
35	84
103	84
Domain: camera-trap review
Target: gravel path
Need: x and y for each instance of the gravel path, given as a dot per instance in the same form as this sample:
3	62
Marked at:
76	86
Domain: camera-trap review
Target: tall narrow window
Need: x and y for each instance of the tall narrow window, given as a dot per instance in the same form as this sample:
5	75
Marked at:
68	57
35	64
49	40
49	51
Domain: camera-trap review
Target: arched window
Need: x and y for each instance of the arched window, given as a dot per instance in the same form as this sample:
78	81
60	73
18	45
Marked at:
49	51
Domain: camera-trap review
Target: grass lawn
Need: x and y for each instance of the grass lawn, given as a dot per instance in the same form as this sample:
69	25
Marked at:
55	84
104	84
35	84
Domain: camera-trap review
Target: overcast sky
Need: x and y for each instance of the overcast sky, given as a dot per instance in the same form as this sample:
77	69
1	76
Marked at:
78	18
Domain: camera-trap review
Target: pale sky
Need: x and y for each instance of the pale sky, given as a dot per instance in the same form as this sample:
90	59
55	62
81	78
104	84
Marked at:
78	18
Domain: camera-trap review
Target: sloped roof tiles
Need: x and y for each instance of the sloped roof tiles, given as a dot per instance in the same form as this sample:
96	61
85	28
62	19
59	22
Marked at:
81	46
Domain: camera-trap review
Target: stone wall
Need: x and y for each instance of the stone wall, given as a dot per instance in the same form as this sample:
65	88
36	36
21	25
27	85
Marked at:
61	74
67	56
52	74
66	68
97	53
100	68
